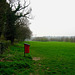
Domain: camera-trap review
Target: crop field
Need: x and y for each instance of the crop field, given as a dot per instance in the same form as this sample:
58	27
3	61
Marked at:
45	58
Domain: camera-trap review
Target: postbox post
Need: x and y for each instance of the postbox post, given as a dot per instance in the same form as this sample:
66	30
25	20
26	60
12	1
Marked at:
26	48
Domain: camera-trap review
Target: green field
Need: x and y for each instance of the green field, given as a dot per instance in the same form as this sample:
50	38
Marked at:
48	58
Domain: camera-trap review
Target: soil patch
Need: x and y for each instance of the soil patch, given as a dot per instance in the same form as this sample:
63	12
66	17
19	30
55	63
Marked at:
36	58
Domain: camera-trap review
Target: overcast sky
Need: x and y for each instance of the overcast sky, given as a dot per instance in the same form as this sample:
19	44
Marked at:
53	17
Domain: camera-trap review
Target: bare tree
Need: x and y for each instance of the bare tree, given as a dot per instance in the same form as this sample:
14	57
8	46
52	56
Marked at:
23	31
15	12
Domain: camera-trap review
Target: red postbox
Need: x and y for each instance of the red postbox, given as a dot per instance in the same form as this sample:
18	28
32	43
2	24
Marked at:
26	48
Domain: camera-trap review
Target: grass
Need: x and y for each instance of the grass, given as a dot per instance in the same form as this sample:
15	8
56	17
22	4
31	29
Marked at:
56	58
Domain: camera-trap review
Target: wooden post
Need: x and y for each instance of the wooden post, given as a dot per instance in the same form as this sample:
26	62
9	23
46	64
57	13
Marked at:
24	51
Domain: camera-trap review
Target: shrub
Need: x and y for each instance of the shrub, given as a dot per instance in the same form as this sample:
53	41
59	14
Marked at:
2	38
4	45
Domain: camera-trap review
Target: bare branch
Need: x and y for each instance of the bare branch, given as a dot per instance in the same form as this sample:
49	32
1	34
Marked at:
29	11
19	7
24	7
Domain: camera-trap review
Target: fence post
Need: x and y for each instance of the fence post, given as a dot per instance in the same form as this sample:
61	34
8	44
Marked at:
1	48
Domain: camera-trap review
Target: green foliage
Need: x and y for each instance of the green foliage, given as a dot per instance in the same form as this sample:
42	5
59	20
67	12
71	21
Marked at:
10	67
4	45
3	10
8	18
56	58
2	38
14	62
10	29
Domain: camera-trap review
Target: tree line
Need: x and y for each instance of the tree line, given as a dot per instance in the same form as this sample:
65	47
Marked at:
60	39
14	20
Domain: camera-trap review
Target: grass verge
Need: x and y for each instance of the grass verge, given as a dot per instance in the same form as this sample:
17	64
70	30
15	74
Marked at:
49	58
